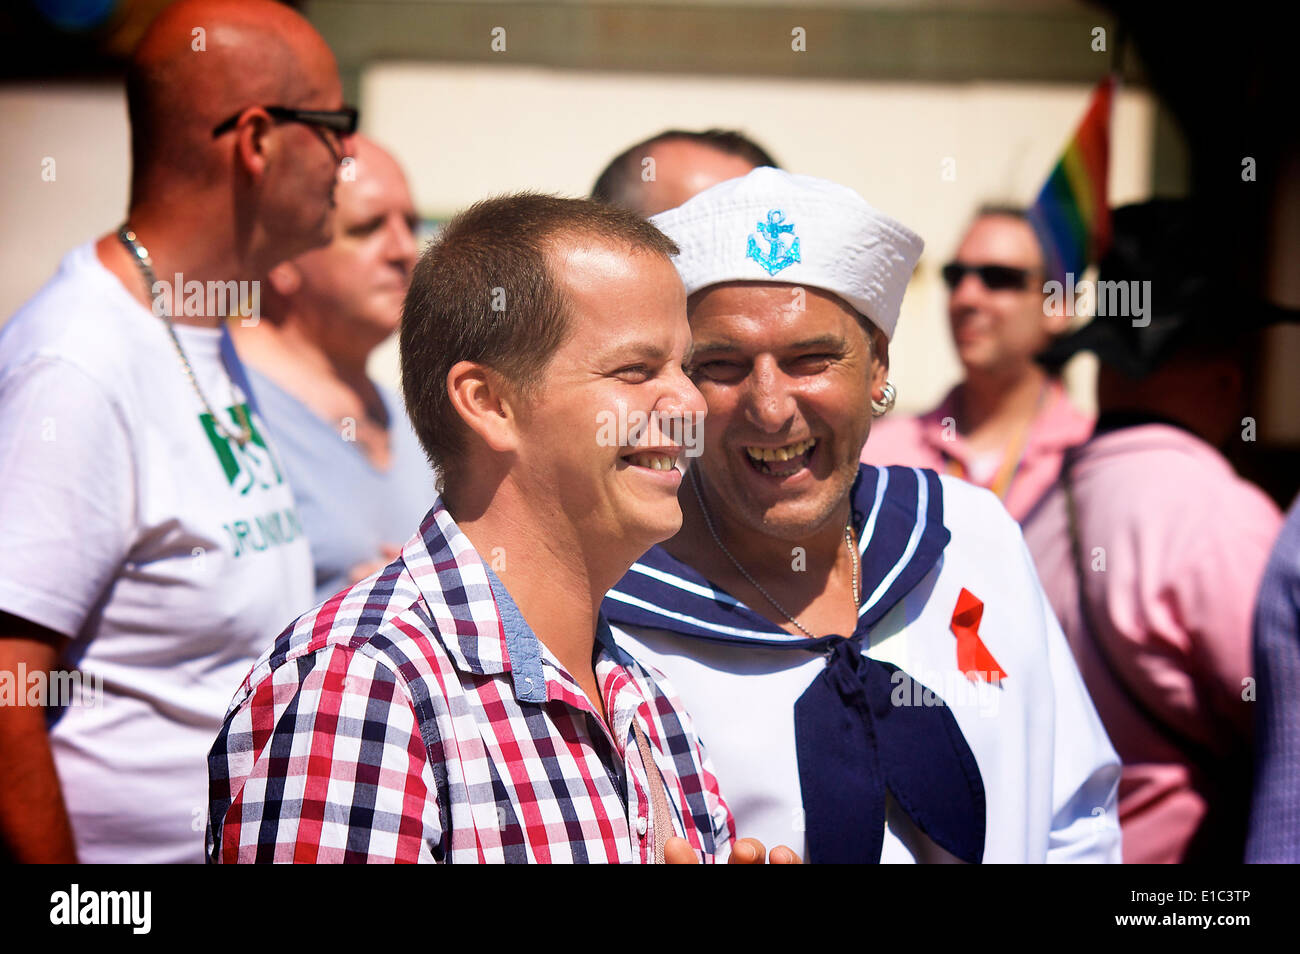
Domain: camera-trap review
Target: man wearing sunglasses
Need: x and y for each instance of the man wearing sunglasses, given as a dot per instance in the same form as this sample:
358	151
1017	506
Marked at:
148	537
1007	424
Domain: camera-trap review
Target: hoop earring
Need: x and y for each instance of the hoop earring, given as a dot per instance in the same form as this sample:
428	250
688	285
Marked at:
886	403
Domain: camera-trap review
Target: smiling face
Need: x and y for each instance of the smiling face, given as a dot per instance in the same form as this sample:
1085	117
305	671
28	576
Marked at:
998	331
789	396
603	435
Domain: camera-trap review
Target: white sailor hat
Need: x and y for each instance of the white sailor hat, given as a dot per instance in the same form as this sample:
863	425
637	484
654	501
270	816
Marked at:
775	226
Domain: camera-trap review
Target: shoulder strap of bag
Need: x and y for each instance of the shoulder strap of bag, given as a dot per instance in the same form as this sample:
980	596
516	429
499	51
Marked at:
1195	749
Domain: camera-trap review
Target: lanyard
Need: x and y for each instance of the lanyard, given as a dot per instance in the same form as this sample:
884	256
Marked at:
1011	460
235	367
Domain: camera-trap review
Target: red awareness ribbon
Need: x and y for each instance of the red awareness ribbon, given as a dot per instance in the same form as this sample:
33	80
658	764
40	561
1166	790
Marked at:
973	657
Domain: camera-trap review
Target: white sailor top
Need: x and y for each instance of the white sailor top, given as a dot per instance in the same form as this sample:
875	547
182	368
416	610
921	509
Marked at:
952	725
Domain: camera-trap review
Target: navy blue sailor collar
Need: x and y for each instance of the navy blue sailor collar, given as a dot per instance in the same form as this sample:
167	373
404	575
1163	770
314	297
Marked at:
898	521
854	744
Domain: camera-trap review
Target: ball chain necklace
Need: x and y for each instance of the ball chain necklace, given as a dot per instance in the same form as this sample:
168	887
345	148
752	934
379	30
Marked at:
142	259
848	541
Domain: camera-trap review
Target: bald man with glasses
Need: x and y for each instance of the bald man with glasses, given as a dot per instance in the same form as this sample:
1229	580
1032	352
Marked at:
337	123
149	539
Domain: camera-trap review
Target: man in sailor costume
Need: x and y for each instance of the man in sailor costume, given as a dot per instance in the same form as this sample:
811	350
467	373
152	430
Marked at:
867	652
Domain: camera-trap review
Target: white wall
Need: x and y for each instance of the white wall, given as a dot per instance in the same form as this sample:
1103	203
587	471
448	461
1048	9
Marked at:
83	129
465	132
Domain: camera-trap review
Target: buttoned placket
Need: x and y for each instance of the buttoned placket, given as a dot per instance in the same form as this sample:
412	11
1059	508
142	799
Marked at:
623	704
529	660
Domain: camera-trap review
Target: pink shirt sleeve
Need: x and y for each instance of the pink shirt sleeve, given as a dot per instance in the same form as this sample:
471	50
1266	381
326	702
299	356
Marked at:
1180	588
1215	592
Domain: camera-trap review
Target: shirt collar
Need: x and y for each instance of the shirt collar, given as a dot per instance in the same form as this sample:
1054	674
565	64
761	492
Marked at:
1057	426
461	599
473	616
523	648
898	516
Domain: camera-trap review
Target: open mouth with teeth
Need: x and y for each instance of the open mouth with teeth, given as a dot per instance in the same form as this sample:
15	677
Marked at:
781	461
654	461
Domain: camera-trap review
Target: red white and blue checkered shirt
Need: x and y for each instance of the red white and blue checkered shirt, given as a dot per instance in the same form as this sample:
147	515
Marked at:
415	717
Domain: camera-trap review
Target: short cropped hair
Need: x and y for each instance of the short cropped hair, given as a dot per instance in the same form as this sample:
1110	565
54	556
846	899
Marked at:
619	182
483	292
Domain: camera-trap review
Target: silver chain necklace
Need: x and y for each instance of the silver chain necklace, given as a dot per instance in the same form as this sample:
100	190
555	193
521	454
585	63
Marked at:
141	256
848	540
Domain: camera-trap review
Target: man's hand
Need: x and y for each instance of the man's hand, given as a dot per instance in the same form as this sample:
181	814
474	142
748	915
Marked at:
744	851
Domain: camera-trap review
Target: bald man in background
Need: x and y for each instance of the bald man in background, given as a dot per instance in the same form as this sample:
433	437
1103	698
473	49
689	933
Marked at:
357	470
665	170
149	541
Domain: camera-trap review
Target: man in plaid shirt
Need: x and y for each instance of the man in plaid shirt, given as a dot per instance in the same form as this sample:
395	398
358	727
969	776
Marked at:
468	702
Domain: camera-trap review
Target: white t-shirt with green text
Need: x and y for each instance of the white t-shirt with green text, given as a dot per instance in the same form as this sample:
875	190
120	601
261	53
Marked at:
170	556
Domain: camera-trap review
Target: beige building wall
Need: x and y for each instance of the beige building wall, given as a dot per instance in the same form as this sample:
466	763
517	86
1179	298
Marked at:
926	153
66	153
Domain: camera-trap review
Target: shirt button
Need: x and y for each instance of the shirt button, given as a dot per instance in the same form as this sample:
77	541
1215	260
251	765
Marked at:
641	827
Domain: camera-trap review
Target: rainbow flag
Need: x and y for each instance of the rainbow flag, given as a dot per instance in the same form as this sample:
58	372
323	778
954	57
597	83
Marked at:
1070	214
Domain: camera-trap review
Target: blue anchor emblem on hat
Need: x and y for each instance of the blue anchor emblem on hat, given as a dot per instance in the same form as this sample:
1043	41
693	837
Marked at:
774	259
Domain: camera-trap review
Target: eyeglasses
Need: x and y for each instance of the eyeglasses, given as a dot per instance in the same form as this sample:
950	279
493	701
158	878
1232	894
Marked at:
342	121
994	277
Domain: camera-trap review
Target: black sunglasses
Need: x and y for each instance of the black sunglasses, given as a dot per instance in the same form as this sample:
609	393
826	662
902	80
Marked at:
994	277
342	121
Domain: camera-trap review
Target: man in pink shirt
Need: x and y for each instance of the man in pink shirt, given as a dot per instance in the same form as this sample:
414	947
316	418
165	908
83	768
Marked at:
1007	425
1151	549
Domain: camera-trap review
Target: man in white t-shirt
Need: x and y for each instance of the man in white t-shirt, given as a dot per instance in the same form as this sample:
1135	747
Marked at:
150	547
